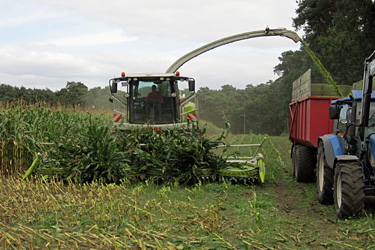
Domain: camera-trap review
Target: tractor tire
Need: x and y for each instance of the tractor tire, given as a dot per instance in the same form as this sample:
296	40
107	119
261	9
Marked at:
304	164
324	178
349	193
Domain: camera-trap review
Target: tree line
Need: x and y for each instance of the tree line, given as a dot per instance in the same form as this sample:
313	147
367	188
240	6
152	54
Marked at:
73	94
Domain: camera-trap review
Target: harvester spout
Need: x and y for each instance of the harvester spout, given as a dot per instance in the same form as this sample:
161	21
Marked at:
230	39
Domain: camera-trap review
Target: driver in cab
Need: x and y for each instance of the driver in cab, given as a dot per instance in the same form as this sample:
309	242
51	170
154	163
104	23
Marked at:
154	95
154	99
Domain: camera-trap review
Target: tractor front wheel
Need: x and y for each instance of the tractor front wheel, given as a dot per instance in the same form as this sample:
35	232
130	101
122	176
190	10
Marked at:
348	189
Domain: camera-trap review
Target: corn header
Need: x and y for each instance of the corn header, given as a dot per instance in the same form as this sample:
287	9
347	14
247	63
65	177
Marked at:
246	168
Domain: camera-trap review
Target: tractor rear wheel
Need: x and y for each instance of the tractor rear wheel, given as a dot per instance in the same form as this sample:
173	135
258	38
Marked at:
304	164
348	189
324	178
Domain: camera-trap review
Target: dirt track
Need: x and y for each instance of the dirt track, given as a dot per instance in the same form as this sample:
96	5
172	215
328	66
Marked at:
297	202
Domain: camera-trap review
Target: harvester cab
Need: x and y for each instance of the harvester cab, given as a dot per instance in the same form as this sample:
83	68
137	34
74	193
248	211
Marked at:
153	100
346	157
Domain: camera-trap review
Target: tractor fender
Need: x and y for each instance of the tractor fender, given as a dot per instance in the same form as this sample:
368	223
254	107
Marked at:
341	158
332	148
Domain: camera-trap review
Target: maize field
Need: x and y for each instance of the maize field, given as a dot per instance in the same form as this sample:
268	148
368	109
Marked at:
76	198
77	171
70	144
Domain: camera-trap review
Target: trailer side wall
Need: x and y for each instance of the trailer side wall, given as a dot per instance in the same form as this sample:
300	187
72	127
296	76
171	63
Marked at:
309	119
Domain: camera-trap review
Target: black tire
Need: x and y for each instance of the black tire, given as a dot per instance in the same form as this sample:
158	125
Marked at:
349	193
304	164
324	178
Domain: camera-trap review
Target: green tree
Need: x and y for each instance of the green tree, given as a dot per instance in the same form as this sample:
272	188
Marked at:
340	32
72	94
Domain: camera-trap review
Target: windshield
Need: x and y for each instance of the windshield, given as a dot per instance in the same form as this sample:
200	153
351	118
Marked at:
152	102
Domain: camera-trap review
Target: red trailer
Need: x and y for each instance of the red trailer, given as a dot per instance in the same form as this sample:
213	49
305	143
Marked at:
308	119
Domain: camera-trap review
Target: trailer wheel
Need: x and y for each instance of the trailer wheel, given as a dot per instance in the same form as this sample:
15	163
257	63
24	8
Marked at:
324	178
304	164
294	159
348	189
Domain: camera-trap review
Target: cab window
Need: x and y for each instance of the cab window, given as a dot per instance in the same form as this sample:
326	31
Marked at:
343	119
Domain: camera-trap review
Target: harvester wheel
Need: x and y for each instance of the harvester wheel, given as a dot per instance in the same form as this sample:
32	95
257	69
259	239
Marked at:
348	189
304	164
324	178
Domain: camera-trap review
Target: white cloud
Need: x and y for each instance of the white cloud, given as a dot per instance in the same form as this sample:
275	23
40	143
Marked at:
183	18
50	42
92	39
17	13
27	19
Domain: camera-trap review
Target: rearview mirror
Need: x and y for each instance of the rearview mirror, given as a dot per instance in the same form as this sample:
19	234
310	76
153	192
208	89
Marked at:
334	111
191	84
113	87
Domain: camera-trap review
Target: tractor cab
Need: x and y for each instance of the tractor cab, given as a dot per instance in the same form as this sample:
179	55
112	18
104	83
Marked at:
153	100
346	113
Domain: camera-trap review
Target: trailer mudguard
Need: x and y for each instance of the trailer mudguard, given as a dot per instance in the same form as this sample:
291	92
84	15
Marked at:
332	148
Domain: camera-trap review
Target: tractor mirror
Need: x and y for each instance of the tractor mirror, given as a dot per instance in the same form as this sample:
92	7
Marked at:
334	111
191	84
114	87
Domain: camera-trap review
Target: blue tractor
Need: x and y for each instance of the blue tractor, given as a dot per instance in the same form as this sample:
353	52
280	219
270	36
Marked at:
345	159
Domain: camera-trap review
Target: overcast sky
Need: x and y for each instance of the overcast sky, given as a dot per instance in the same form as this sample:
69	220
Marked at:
46	43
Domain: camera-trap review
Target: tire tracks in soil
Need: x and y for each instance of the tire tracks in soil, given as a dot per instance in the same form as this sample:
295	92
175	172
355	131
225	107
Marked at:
298	200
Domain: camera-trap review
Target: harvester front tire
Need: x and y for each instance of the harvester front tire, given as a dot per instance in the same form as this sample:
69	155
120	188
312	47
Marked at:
324	178
349	193
304	164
